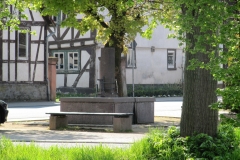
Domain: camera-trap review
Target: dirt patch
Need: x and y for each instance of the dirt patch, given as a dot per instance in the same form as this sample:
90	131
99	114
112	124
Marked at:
44	125
25	125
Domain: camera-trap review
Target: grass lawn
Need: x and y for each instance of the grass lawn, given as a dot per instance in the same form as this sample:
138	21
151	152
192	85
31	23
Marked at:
158	144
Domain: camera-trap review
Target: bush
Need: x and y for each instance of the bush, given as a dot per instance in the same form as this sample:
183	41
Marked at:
169	145
159	144
155	90
204	146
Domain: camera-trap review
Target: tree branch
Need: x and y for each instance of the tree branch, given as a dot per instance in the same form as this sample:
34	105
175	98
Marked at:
97	17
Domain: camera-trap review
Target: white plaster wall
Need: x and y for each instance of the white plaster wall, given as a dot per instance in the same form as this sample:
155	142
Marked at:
59	80
5	34
159	39
152	66
67	36
39	74
75	32
5	46
37	16
22	72
34	48
152	69
5	51
26	11
12	35
37	29
41	53
86	35
12	51
12	72
5	72
66	45
84	58
89	42
83	82
33	51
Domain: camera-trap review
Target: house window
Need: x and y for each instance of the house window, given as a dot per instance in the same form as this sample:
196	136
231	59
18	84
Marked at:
171	59
131	58
23	44
60	17
73	60
64	16
54	18
60	63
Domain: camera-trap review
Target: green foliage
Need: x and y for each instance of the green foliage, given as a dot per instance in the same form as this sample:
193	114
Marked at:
113	20
213	29
59	95
230	119
156	90
117	22
158	144
169	145
204	146
166	145
10	15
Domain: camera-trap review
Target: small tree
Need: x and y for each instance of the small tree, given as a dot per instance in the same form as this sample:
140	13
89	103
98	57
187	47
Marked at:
203	26
230	57
117	22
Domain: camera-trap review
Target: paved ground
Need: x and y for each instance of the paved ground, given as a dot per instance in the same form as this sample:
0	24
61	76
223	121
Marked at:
38	131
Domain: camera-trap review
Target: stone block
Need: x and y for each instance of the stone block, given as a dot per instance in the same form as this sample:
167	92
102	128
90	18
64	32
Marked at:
144	110
121	124
95	104
58	122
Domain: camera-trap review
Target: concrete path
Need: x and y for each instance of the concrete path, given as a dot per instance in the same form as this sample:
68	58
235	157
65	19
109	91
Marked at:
22	111
70	136
167	107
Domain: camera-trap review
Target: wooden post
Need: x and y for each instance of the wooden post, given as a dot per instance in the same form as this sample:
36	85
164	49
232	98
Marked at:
52	61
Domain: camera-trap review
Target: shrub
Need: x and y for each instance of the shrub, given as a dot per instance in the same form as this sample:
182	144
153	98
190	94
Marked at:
155	90
204	146
169	145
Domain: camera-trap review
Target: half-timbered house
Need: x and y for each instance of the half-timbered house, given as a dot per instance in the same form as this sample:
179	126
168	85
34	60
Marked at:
76	55
24	58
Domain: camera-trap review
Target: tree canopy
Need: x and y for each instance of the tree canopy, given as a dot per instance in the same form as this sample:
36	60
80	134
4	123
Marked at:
105	16
218	23
9	14
210	32
117	22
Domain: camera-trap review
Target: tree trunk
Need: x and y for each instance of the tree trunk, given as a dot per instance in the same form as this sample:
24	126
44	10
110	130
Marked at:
198	94
118	71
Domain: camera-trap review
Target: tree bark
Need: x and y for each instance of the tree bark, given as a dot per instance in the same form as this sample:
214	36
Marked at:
118	71
198	94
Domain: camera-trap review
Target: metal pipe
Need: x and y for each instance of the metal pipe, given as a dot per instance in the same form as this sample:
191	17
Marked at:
133	63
